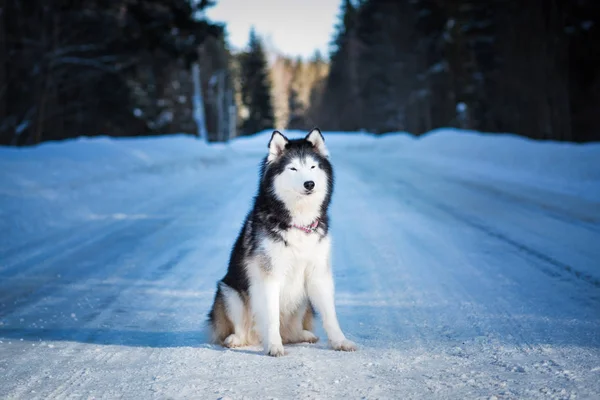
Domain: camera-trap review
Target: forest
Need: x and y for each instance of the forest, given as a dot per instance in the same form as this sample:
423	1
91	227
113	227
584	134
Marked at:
531	68
125	68
100	67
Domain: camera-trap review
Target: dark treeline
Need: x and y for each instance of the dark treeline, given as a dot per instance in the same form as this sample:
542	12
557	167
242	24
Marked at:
528	67
118	67
123	68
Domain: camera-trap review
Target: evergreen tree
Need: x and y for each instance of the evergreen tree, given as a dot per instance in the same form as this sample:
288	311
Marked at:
340	107
97	67
256	88
386	33
583	33
296	111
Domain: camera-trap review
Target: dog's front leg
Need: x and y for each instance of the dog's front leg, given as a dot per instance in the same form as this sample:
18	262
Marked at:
321	294
265	297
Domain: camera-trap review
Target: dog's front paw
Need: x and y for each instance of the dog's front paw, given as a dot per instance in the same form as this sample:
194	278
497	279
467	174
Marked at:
344	345
275	350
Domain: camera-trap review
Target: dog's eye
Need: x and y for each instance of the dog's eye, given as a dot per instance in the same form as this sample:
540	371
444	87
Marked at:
313	167
293	169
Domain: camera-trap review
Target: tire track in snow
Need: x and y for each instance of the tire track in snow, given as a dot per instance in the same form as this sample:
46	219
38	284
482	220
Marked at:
155	270
549	264
544	258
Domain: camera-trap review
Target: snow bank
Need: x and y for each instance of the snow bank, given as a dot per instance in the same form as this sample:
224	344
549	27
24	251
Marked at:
51	184
561	167
83	158
568	168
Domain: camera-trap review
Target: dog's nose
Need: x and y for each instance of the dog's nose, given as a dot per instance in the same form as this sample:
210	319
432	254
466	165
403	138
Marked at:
309	185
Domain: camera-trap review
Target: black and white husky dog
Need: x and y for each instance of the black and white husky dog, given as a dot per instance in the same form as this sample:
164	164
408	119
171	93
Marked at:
280	265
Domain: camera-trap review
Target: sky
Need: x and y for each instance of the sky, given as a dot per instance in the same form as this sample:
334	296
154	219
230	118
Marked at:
293	27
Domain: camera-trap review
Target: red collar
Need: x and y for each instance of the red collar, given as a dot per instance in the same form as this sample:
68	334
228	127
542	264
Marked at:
310	228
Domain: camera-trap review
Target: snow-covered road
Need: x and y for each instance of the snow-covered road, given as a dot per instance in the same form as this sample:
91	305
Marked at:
454	285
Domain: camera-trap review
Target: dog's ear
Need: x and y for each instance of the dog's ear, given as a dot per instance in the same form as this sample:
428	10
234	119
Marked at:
276	145
318	142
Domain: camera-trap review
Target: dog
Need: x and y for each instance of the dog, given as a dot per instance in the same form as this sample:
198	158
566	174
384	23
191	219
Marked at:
279	270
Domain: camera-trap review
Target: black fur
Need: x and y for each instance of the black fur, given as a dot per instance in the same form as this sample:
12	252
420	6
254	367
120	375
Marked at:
269	215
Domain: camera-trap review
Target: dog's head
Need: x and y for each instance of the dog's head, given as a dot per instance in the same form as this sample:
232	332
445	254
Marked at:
299	170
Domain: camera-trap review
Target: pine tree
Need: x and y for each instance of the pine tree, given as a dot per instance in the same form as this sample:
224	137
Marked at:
256	88
340	107
295	91
296	111
583	32
387	65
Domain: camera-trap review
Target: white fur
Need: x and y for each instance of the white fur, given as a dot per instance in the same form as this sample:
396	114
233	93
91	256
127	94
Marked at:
235	311
296	273
265	303
289	188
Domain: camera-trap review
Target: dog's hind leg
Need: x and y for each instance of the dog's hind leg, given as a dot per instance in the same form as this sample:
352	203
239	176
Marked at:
297	327
236	311
220	324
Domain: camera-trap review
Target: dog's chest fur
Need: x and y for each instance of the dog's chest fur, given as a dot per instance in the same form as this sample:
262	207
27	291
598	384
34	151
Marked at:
294	262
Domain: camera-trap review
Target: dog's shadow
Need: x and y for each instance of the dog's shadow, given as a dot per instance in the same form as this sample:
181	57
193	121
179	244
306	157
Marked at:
258	350
108	336
112	337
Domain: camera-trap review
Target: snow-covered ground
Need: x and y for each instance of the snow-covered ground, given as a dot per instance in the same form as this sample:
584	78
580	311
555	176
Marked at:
467	266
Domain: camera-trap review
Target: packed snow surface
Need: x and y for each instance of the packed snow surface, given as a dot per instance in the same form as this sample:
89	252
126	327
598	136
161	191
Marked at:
467	266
